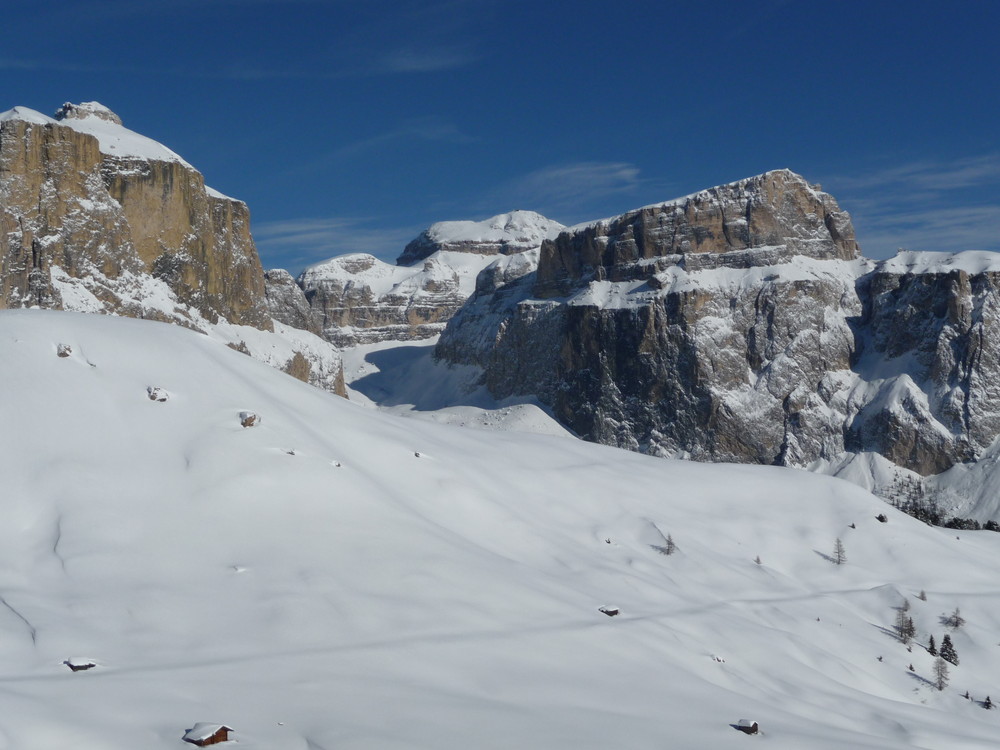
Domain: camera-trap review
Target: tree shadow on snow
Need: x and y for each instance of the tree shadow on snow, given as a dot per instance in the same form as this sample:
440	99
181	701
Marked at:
828	558
922	680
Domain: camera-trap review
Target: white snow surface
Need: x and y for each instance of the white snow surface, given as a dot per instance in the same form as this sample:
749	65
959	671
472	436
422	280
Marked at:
27	115
922	261
116	139
384	278
403	379
517	227
675	279
335	577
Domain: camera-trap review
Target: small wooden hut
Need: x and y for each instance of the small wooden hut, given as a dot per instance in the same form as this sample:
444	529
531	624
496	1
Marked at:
203	734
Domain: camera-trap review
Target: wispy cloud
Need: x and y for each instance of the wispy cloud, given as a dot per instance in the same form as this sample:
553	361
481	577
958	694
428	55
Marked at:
295	243
419	129
925	205
930	176
420	60
568	189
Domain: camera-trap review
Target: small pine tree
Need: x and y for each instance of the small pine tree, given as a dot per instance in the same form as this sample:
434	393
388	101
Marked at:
931	648
955	620
839	553
987	704
671	548
922	596
948	652
940	673
757	560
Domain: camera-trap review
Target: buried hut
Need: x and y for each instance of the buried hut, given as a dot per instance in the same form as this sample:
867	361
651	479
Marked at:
203	734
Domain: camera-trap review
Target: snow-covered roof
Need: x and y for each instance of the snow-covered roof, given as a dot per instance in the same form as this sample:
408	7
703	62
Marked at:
203	730
80	661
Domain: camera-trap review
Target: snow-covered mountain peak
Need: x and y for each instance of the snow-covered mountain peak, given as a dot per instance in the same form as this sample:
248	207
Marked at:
86	110
25	114
114	138
503	234
516	226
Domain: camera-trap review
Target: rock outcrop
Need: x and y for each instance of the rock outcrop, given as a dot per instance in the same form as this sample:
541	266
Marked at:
287	302
742	324
763	220
504	234
359	299
97	218
86	199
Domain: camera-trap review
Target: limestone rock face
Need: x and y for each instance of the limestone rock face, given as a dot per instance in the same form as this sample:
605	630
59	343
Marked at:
359	299
85	199
741	324
762	220
504	234
286	301
936	317
97	218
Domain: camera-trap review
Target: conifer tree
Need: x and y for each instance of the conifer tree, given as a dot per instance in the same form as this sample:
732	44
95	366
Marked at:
839	553
948	652
987	704
931	648
671	548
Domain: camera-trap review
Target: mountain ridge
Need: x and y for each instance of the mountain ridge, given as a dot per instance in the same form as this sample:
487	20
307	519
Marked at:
742	324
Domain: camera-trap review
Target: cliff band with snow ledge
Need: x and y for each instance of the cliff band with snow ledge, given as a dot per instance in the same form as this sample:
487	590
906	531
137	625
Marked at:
359	299
742	324
88	207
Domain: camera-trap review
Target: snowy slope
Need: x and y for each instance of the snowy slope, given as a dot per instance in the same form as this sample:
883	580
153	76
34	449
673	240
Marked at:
314	583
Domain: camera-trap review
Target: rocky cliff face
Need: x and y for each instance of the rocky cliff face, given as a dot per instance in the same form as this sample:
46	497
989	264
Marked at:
763	220
741	324
286	301
97	218
358	299
86	199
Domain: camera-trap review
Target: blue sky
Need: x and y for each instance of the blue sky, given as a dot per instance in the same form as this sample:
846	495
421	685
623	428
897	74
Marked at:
351	126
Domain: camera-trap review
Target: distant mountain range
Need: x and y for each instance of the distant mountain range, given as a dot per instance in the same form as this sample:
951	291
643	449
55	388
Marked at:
740	323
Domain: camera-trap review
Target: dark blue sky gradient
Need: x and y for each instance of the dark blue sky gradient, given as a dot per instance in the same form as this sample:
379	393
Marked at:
350	126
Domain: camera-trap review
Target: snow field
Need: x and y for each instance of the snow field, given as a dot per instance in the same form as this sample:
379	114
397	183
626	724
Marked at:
441	600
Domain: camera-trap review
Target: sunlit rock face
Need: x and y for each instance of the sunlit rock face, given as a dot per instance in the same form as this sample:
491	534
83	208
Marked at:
359	299
742	324
83	198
